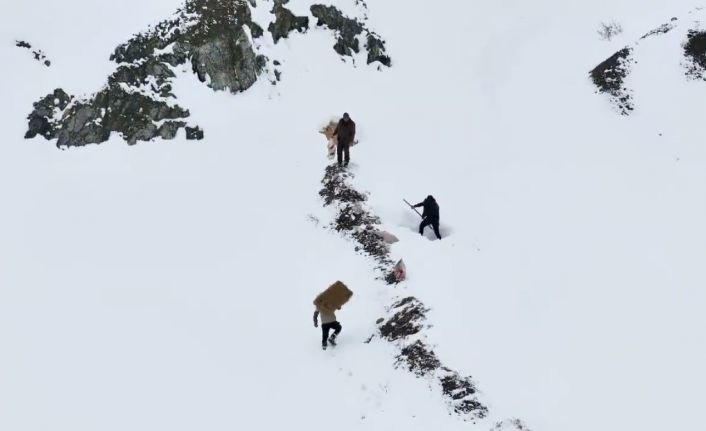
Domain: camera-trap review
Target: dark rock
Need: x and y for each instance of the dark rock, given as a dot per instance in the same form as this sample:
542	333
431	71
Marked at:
336	189
41	120
347	32
169	129
211	34
194	133
376	50
409	314
132	115
419	358
462	391
37	55
347	29
276	63
695	53
609	77
214	40
662	29
149	72
286	22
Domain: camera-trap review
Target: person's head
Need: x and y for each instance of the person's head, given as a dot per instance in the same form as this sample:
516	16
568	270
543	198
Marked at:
346	117
430	198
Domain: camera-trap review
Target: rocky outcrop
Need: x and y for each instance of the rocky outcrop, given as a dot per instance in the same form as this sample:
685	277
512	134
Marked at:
212	34
38	54
44	120
609	77
216	38
137	101
376	50
285	21
348	30
695	54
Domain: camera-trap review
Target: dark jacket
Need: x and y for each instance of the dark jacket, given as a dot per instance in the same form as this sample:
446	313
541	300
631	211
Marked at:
345	131
431	208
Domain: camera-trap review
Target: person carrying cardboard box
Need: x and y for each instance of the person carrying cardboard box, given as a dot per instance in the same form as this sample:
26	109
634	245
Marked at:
326	303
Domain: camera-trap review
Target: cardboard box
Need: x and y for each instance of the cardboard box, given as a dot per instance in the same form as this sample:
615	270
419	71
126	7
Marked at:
334	297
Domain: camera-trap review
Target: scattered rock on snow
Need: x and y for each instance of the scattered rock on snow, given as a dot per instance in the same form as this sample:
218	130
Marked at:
662	29
286	22
43	120
194	133
405	325
510	425
419	359
347	32
609	77
695	53
38	54
353	219
409	314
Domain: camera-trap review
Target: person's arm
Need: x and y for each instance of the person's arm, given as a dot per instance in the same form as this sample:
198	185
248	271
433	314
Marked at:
316	319
335	131
421	204
353	130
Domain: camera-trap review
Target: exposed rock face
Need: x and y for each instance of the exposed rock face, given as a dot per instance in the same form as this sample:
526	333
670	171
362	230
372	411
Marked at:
215	36
609	78
42	121
212	35
286	22
135	102
695	53
347	32
376	50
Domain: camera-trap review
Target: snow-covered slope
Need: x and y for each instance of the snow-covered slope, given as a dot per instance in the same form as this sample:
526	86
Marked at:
168	285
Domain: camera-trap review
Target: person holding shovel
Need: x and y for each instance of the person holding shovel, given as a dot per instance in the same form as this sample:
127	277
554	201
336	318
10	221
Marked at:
430	215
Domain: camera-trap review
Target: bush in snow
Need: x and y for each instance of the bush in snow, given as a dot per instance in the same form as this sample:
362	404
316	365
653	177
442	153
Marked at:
610	30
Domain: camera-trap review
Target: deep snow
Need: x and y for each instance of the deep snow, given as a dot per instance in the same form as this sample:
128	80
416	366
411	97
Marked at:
169	285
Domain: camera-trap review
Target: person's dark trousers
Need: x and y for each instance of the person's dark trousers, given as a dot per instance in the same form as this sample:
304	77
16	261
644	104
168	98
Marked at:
434	223
343	149
326	327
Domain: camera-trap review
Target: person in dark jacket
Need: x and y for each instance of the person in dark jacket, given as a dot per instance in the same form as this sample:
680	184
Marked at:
430	216
345	133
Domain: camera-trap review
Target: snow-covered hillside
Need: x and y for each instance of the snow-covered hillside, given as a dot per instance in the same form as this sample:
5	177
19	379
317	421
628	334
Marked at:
169	284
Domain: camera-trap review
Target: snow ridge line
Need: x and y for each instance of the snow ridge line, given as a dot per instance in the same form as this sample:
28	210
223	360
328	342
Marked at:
404	325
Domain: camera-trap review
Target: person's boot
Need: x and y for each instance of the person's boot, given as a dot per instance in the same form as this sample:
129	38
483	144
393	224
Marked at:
323	346
332	339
